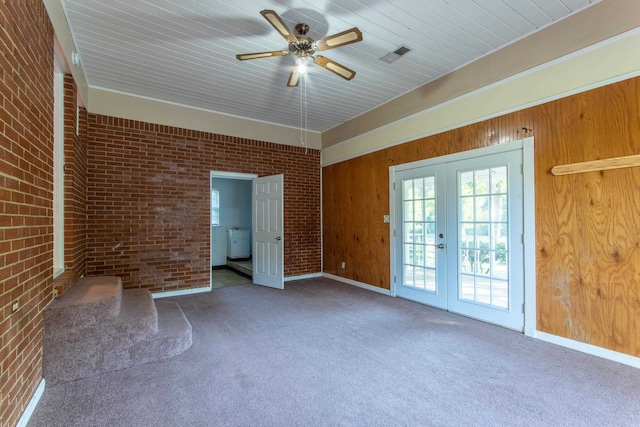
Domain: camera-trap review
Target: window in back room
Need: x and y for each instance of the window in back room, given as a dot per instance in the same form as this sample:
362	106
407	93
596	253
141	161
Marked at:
215	207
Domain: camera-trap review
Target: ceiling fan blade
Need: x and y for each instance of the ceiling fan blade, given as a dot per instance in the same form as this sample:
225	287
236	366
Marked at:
346	37
277	23
245	56
294	77
334	67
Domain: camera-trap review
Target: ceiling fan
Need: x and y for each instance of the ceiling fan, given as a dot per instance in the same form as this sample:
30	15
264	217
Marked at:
304	48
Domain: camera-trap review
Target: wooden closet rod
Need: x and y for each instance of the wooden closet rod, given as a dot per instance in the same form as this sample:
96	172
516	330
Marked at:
597	165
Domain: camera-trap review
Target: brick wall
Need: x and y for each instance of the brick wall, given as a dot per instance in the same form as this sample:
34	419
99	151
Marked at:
26	226
148	200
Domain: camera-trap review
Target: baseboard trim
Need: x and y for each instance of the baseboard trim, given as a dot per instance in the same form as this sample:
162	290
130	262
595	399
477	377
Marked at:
358	284
589	349
180	292
31	407
302	277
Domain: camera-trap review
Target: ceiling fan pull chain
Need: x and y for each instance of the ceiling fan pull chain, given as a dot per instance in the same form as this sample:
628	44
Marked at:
301	114
306	115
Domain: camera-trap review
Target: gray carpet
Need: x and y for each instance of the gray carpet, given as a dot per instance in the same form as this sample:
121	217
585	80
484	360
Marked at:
321	353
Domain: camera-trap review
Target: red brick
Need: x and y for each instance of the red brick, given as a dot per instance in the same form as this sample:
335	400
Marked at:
26	99
148	190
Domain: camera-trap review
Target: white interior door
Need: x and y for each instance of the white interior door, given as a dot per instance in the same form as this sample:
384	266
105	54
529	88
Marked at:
268	227
459	235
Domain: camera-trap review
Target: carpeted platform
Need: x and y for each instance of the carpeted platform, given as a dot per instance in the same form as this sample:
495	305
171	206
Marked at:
322	353
97	327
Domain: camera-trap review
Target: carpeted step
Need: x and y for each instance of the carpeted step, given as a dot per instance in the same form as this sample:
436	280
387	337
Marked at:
90	301
75	352
137	319
144	331
173	337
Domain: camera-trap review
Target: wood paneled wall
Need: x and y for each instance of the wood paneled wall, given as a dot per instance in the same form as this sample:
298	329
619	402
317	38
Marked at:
587	225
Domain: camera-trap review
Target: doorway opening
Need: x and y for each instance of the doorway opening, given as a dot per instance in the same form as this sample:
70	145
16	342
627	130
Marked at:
231	228
247	226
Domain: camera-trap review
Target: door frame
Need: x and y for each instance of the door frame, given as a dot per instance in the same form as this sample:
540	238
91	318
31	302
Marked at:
528	194
228	175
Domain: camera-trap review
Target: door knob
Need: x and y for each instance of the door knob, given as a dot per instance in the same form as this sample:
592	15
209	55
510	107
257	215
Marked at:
278	238
440	246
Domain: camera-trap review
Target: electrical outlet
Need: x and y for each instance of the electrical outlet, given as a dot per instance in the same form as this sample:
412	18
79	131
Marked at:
15	306
386	219
55	292
343	265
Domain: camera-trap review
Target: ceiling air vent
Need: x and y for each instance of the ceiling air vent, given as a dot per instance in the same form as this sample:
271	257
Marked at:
395	55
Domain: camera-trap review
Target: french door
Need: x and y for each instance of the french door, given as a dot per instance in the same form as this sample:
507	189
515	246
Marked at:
459	235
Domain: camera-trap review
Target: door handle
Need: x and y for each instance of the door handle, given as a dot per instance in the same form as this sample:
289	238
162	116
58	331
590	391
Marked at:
440	246
278	238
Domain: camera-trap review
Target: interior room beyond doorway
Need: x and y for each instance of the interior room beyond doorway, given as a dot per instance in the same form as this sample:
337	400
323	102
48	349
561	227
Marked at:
231	228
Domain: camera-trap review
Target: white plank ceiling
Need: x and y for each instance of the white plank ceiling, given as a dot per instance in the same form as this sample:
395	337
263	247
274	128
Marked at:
183	51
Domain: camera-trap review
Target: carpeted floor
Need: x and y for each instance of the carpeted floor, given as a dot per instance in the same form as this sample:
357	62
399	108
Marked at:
322	353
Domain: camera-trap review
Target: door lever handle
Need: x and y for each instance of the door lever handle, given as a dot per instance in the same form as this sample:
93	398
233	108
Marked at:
440	246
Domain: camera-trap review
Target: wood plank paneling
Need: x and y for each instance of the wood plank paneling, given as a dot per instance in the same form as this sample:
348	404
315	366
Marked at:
184	52
587	225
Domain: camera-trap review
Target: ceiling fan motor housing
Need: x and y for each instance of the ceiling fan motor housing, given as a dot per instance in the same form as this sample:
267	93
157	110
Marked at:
302	29
305	45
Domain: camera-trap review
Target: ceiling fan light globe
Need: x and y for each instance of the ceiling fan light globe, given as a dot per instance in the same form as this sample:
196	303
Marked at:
301	65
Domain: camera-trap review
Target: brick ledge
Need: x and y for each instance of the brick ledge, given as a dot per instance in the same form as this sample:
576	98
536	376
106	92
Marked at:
63	282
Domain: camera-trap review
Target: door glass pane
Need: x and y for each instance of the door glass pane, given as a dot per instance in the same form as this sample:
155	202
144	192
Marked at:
482	208
407	189
408	254
466	184
430	279
499	267
418	189
483	231
419	225
467	236
467	287
418	210
467	209
419	278
499	208
408	210
483	290
499	236
430	233
408	275
467	260
482	184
